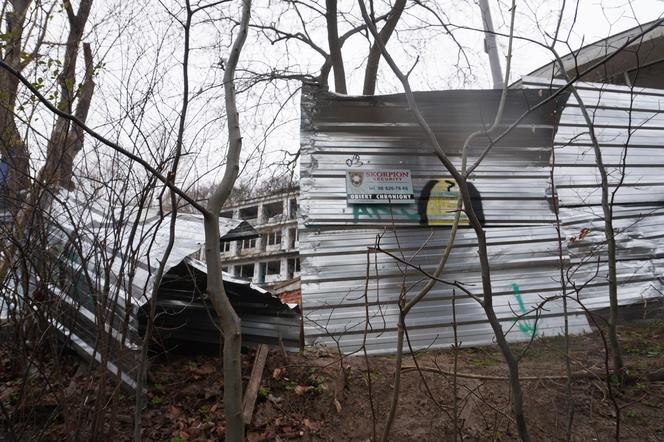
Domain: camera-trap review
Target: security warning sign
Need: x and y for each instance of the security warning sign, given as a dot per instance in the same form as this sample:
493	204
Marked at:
379	187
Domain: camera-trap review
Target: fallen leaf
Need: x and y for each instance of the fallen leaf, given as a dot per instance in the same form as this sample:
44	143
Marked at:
254	436
207	426
204	370
194	430
278	373
301	389
337	405
311	426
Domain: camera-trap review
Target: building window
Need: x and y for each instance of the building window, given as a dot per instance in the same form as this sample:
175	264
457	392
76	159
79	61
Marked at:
293	266
292	236
227	214
261	272
247	271
273	268
248	243
292	204
249	213
274	238
224	269
272	212
226	247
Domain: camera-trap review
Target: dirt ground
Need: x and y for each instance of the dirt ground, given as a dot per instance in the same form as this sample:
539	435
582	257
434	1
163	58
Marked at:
316	395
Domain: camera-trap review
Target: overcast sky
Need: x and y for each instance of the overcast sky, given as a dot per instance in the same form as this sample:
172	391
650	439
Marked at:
596	20
270	120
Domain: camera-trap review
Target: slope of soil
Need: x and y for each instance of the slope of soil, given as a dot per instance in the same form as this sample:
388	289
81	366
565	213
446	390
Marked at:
317	395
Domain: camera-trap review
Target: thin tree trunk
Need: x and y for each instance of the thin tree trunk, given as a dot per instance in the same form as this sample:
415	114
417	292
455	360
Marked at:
490	46
371	71
74	143
397	377
62	133
563	287
335	47
609	232
230	322
12	145
461	179
147	339
52	174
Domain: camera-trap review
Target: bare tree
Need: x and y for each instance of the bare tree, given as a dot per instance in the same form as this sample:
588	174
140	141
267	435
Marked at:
52	174
371	71
336	58
461	178
230	322
14	149
65	140
340	27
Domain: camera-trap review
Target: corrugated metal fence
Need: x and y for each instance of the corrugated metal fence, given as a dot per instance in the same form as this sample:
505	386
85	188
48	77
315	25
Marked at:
343	284
629	126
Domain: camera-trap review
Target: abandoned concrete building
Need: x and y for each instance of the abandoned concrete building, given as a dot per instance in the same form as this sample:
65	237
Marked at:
272	258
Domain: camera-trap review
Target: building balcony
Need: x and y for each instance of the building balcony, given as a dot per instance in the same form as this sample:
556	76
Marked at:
273	247
248	251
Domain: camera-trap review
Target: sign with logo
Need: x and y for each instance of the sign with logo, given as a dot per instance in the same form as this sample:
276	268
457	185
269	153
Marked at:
393	186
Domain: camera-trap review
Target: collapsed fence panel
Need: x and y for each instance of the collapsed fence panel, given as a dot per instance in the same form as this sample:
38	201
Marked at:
359	259
97	279
185	314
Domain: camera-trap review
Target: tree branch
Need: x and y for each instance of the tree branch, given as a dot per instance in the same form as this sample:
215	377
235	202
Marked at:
371	71
100	137
336	57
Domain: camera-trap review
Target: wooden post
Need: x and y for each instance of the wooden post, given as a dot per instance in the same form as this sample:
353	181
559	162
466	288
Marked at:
254	383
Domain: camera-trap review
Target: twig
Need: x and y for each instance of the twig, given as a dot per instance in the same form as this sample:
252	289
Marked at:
580	375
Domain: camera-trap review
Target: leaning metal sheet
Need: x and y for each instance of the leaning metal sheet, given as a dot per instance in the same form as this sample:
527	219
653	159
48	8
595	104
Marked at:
107	252
129	240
